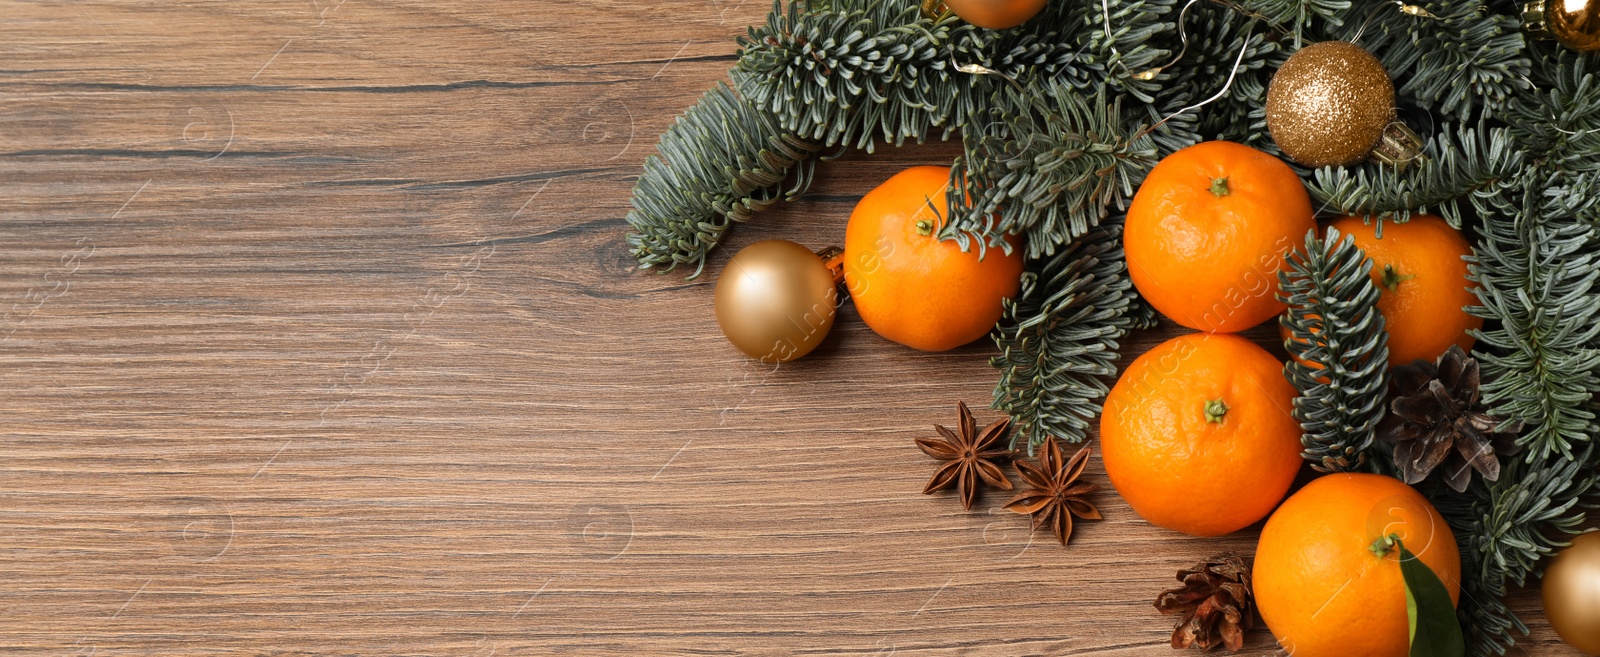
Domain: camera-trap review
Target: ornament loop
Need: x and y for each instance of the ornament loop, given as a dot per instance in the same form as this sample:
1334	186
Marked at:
1400	147
1533	21
833	259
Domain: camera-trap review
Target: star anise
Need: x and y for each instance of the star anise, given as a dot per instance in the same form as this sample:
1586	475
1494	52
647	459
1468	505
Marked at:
1438	423
1057	495
1213	604
970	457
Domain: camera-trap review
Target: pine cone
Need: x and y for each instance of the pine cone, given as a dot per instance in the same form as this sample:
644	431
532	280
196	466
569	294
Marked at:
1214	602
1437	422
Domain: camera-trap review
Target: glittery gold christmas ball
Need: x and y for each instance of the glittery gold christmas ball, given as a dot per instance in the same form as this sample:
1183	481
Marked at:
1572	593
1328	105
1575	23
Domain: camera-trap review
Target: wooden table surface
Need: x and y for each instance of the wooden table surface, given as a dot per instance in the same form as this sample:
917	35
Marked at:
319	336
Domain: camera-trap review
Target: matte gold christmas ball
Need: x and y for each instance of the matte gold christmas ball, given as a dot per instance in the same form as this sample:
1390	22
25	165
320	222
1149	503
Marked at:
776	300
1572	593
1575	23
1328	105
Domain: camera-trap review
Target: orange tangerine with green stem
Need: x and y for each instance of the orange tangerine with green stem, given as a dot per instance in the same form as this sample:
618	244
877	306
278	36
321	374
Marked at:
1327	571
1197	436
912	287
1207	232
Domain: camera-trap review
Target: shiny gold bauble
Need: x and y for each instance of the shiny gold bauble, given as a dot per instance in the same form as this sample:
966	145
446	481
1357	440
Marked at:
1329	104
1575	23
1572	593
776	300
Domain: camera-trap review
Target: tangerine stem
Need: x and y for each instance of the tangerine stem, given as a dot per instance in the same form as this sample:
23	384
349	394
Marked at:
1385	544
1219	187
1215	410
1392	279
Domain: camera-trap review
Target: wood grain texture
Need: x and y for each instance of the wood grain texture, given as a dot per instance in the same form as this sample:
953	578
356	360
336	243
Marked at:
319	336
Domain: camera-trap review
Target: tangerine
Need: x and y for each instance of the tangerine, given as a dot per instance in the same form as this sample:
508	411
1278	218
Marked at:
1197	434
996	14
1422	280
912	287
1321	572
1207	233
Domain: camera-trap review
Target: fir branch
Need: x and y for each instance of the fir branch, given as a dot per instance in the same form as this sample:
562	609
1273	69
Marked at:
1070	42
1216	37
852	72
1559	122
1339	350
1504	528
1121	44
1241	114
1535	268
1469	60
1049	165
1537	272
1475	166
1291	16
720	162
849	72
1058	340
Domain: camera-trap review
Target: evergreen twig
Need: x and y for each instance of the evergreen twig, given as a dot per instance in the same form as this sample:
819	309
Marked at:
1049	165
848	72
1292	16
720	162
1473	166
1058	340
1535	267
1504	528
1339	350
1469	59
1559	124
1537	273
1216	35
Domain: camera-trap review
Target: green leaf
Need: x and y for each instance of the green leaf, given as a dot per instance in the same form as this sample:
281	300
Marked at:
1435	632
1411	616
